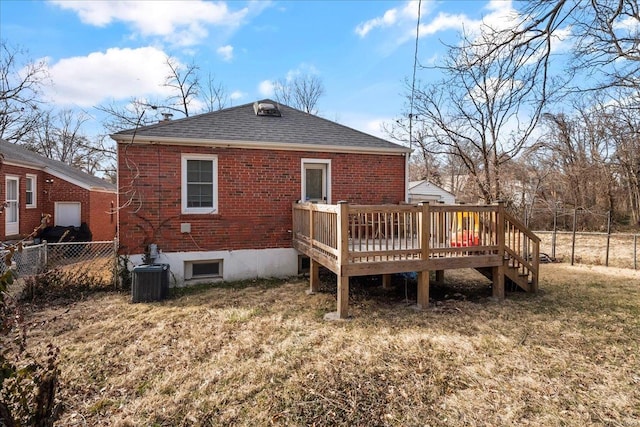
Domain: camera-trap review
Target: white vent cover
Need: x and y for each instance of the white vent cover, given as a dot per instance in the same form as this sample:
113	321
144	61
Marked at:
266	109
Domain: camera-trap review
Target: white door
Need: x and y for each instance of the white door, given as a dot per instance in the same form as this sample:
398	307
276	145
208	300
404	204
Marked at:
68	213
314	183
12	211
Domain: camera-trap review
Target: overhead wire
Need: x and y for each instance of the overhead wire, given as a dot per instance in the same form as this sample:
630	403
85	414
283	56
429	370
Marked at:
413	80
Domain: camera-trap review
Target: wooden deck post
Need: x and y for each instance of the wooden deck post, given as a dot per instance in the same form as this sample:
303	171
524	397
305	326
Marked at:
343	251
423	276
498	272
440	277
386	281
423	289
314	276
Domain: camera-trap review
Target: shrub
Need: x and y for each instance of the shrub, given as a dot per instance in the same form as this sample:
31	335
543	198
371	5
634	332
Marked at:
58	285
27	385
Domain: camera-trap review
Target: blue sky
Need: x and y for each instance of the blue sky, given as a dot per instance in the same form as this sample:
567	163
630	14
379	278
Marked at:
110	51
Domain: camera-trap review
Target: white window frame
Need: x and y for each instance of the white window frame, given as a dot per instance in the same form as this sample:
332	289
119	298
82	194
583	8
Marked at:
303	184
188	269
208	210
34	190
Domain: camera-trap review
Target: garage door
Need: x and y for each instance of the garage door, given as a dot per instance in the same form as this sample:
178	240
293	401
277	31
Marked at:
68	213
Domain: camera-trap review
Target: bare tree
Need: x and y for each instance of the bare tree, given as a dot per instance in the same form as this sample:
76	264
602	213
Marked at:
185	83
215	94
594	155
20	86
605	35
301	92
59	136
482	112
134	113
423	165
623	128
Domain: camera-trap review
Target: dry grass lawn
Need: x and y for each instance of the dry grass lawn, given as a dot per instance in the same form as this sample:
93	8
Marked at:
261	354
592	248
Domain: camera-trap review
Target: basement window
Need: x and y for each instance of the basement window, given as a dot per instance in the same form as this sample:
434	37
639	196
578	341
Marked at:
205	269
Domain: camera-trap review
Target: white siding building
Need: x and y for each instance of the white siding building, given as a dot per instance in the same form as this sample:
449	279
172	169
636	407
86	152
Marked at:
425	191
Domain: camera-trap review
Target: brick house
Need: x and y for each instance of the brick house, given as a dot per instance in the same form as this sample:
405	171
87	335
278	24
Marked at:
214	192
32	185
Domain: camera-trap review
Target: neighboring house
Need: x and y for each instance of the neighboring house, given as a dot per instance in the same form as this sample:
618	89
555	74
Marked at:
214	192
425	191
32	186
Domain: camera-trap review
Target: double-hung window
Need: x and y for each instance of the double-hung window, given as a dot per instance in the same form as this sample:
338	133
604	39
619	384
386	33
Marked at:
199	184
30	196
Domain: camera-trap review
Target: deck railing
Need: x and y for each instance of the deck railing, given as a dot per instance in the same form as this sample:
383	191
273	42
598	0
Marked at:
522	250
357	240
315	229
394	237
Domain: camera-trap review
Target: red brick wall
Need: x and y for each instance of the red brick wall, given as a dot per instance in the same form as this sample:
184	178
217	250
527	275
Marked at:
255	191
58	190
102	215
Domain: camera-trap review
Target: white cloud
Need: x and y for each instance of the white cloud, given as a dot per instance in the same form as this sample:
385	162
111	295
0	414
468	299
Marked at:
302	69
443	22
630	24
502	16
226	52
402	21
265	88
389	18
395	17
366	123
117	74
180	23
236	94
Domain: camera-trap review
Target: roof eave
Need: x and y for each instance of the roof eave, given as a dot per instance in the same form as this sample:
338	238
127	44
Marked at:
261	145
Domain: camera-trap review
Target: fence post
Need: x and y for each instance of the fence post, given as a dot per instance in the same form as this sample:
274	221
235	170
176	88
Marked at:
606	262
45	246
635	251
116	268
573	238
555	231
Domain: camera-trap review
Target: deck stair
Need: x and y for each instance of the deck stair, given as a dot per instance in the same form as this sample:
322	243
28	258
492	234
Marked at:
513	278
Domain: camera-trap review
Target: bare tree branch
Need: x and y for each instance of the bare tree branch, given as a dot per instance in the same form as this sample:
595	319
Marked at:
301	92
483	112
20	86
185	81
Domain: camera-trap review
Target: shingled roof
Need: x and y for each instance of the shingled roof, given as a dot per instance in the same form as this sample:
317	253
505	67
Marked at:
19	155
241	126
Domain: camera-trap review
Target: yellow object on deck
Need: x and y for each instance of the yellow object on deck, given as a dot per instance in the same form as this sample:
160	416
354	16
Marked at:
465	229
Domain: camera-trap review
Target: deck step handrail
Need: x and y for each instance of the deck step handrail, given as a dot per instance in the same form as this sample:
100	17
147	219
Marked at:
522	250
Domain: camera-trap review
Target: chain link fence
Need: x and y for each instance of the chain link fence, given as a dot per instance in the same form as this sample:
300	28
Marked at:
615	249
99	260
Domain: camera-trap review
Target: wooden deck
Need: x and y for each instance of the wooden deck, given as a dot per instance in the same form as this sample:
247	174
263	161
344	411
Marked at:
359	240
